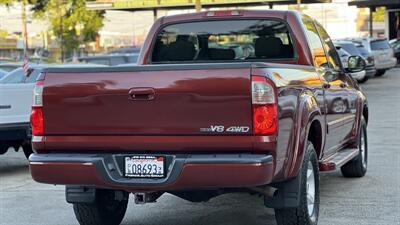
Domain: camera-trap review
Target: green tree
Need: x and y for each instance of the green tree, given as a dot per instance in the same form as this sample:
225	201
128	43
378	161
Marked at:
70	21
379	14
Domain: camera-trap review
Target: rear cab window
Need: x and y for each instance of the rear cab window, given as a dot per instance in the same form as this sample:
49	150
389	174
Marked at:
223	40
379	45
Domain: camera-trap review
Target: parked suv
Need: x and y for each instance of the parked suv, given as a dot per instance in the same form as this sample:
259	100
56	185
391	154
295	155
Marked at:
382	52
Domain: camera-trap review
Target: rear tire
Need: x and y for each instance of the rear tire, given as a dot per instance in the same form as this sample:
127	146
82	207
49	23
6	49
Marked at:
105	210
308	210
380	73
358	166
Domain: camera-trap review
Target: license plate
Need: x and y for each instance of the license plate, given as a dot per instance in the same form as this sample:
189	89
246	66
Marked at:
144	166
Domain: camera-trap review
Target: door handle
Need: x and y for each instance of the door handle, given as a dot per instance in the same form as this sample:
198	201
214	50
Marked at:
5	106
142	94
343	85
326	85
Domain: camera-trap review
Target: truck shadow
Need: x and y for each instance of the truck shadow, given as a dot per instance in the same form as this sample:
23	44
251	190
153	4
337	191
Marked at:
229	209
232	209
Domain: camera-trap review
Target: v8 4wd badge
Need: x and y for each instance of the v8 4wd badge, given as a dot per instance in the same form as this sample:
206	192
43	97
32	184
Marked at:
221	129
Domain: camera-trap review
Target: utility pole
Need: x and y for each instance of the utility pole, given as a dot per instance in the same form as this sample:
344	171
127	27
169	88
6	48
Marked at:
61	39
60	14
24	25
198	5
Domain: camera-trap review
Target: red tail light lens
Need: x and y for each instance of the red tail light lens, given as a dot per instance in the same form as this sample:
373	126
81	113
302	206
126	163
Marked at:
223	13
37	121
37	124
265	112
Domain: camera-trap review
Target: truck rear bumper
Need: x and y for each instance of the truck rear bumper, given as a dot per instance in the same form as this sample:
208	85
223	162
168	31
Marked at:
183	171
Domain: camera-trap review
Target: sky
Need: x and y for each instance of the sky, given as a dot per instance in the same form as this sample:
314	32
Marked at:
335	16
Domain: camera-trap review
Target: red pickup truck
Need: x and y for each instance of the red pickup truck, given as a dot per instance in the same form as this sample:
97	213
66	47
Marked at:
220	102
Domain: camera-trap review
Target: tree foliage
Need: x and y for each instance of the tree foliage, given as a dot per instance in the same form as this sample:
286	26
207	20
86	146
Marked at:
379	14
69	20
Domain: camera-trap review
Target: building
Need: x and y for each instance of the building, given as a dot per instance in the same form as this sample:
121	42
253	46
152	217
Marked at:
392	15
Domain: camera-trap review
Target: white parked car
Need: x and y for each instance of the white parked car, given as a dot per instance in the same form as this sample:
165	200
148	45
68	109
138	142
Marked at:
15	107
3	73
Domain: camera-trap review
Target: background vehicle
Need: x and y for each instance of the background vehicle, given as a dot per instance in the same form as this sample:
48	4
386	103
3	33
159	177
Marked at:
395	44
369	59
344	57
109	60
3	73
10	66
380	49
131	50
15	107
194	120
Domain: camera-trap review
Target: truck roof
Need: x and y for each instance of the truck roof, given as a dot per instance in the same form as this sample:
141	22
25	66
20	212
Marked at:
282	14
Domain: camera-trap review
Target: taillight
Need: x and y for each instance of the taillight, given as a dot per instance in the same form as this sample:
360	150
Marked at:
223	13
37	110
265	111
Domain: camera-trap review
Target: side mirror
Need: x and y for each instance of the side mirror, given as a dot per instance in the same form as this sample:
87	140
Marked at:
355	64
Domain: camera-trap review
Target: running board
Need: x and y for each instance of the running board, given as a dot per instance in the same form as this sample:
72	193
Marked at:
338	159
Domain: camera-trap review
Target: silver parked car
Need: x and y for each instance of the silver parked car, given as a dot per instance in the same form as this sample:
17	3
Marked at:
382	52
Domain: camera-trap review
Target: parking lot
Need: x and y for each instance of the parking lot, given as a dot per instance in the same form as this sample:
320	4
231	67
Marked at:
374	199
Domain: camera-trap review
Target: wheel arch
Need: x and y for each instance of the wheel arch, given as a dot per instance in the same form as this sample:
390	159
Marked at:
309	121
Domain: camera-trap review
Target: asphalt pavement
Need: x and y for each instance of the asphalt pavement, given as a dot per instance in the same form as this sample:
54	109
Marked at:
371	200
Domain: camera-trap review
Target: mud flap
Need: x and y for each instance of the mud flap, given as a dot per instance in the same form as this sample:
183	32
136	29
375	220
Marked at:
287	194
79	194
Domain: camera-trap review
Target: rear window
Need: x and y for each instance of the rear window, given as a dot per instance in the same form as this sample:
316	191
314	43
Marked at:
225	40
379	45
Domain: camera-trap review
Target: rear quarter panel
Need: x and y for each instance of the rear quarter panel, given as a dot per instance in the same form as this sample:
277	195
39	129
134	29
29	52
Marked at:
300	102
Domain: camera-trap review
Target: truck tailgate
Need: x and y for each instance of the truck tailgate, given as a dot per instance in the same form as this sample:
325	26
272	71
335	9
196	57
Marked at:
177	101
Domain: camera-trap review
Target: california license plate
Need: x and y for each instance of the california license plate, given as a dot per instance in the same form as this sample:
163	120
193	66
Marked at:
144	166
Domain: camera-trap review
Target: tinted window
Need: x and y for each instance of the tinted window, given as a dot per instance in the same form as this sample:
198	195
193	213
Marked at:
350	48
379	45
333	57
362	50
223	40
343	53
315	43
14	77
